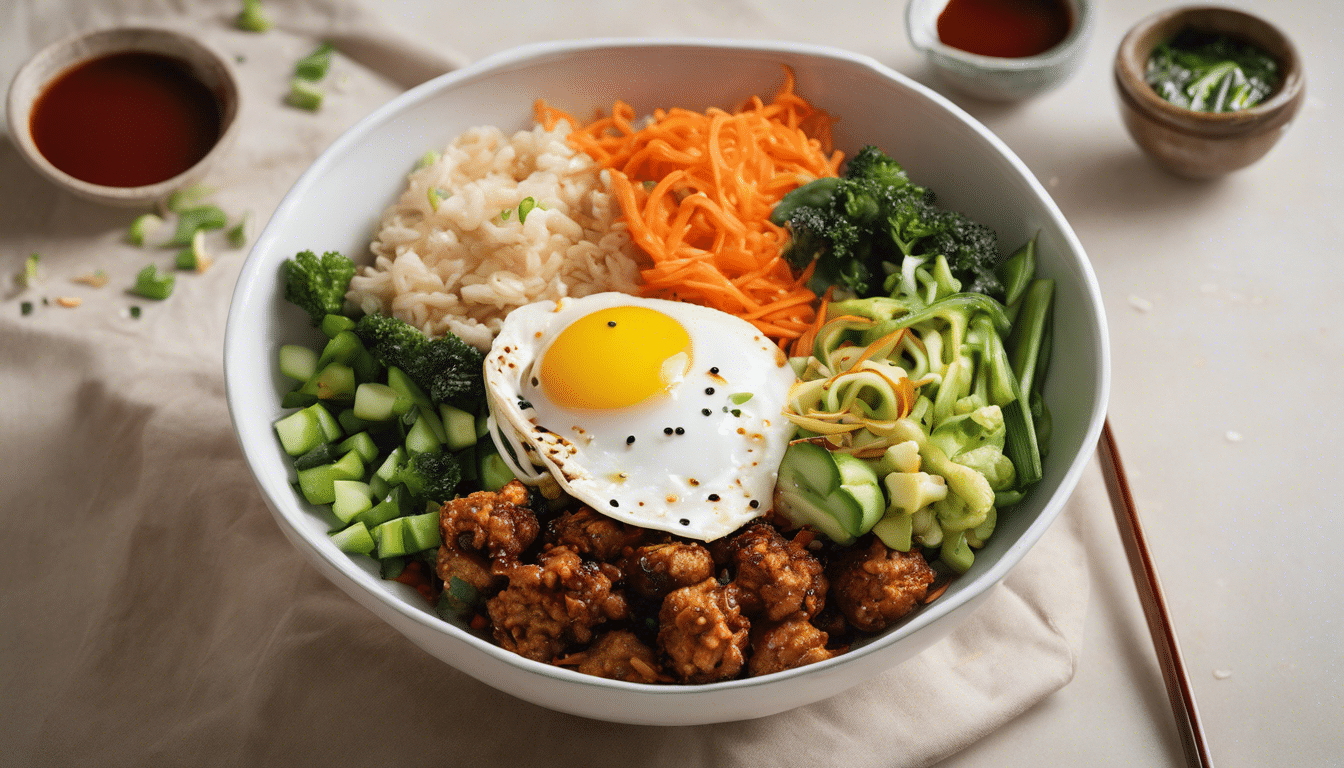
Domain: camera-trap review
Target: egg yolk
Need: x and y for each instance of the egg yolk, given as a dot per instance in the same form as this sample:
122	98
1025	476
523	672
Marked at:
615	358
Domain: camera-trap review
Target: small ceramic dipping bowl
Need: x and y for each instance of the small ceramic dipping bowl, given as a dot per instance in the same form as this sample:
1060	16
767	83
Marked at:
999	78
1203	145
193	61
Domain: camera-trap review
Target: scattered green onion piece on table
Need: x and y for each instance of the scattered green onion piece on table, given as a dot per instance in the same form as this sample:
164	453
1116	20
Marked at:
29	277
189	197
253	17
194	219
26	308
238	233
195	258
304	95
314	66
152	283
143	227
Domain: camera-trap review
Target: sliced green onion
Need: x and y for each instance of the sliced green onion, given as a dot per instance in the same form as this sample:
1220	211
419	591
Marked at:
304	95
313	67
524	208
153	284
253	17
192	220
143	226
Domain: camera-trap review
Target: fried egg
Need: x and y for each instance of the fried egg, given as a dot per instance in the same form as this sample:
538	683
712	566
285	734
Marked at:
658	413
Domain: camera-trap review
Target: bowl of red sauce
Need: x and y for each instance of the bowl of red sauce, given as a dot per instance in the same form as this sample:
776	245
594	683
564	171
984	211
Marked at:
124	116
1001	50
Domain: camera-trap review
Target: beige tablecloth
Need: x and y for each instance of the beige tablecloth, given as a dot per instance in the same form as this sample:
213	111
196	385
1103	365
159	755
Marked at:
151	612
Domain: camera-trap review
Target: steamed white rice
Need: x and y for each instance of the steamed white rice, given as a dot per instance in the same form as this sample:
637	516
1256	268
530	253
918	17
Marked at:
463	267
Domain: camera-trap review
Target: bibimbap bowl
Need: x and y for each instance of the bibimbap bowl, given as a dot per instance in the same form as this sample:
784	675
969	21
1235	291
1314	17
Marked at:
337	203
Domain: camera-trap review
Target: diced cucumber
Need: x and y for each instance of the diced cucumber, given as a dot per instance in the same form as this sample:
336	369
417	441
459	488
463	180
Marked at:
361	443
304	430
325	453
895	531
458	599
318	485
297	361
376	402
379	513
335	381
354	539
459	427
334	324
398	380
351	423
344	347
470	464
482	425
391	537
388	469
422	532
297	399
421	438
493	470
351	498
435	423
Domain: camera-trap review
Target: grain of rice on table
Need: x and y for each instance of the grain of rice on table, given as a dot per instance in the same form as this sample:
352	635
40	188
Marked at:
461	267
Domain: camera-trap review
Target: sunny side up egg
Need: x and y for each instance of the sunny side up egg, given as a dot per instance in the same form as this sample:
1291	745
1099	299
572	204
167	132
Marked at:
661	414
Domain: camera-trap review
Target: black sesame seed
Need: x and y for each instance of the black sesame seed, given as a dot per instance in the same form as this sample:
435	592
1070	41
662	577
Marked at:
684	521
706	411
611	323
715	369
614	504
534	381
680	431
713	497
754	503
667	430
709	390
630	440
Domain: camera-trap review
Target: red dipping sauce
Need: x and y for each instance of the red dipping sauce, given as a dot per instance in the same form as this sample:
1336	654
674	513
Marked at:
1005	28
126	120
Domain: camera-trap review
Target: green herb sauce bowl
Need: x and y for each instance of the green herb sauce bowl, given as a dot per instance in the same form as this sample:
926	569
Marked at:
1205	145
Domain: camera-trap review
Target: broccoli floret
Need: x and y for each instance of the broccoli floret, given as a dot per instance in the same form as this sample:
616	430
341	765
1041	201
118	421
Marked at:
873	164
430	476
447	368
864	225
972	251
317	284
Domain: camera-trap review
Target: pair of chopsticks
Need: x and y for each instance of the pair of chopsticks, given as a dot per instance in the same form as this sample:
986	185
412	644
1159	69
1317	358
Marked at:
1160	626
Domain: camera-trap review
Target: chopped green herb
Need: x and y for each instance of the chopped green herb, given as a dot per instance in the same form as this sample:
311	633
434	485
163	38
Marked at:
143	226
739	398
195	258
314	66
429	158
253	17
1208	72
26	308
506	213
436	196
192	220
190	196
153	284
524	208
135	310
304	95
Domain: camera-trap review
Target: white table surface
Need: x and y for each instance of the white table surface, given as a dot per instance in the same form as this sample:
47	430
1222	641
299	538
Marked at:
1228	346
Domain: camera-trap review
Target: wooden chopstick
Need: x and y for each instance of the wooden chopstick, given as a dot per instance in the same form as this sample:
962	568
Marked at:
1160	626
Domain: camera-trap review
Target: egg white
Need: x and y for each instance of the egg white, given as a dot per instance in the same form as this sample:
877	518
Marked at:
715	471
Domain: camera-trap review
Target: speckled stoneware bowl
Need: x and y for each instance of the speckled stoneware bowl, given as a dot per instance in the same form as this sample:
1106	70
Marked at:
336	205
1203	145
998	78
212	68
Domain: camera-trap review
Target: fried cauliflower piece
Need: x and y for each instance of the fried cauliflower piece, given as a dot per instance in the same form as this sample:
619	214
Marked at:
874	586
776	578
656	569
703	632
791	643
617	655
593	535
552	605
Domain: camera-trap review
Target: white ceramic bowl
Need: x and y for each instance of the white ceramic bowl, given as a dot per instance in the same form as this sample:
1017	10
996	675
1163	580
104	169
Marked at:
335	206
208	65
992	77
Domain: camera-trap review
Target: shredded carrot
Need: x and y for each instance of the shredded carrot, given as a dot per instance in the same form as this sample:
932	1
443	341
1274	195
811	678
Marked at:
696	190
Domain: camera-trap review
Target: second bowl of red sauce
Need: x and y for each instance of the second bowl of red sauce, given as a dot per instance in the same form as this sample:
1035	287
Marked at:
124	116
1002	50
